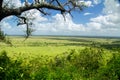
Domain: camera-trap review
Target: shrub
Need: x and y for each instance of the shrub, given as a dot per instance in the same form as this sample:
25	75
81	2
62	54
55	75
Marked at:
11	69
112	70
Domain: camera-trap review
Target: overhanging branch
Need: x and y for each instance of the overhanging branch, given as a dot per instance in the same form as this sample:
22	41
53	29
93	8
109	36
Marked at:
18	11
1	1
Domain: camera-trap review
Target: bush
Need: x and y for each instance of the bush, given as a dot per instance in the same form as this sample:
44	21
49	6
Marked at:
112	70
11	69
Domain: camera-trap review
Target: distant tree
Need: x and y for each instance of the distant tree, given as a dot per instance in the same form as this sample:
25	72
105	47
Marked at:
2	35
3	38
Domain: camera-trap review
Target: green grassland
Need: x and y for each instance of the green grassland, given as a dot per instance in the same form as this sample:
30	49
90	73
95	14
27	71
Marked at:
37	46
49	45
60	58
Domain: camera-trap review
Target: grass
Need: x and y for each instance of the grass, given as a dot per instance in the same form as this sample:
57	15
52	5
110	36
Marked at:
28	52
36	46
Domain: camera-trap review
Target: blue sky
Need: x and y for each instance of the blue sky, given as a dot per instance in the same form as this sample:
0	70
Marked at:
100	18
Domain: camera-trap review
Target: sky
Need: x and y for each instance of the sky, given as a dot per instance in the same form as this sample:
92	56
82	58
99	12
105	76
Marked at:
99	18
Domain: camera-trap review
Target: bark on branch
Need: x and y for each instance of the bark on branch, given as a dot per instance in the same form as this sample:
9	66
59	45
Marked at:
7	12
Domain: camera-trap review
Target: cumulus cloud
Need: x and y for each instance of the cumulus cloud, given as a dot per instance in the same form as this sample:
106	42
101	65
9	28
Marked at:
109	23
111	18
102	24
6	25
111	6
10	30
58	25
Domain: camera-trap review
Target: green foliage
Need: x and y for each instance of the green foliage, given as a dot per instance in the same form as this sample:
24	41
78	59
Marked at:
3	38
12	69
2	35
112	70
86	64
88	61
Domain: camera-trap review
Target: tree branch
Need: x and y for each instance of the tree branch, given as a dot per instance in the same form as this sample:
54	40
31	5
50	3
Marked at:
66	6
1	1
50	4
7	12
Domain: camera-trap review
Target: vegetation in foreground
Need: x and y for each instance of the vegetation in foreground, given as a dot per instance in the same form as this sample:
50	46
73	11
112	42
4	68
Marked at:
96	60
87	64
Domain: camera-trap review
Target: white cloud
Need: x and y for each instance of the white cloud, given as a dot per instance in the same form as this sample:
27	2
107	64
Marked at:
111	6
5	25
11	3
97	1
107	20
111	17
34	14
9	30
57	24
109	23
85	14
93	26
88	3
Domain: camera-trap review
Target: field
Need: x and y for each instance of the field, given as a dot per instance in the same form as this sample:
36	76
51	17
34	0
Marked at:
37	46
77	58
49	45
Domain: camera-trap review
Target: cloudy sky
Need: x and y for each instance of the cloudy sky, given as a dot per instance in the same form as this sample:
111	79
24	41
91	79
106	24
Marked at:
100	18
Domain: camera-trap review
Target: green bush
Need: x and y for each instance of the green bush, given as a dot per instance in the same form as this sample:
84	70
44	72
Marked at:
112	70
11	69
4	38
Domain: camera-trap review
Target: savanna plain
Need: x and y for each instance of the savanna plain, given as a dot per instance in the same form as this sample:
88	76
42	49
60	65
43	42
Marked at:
60	58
